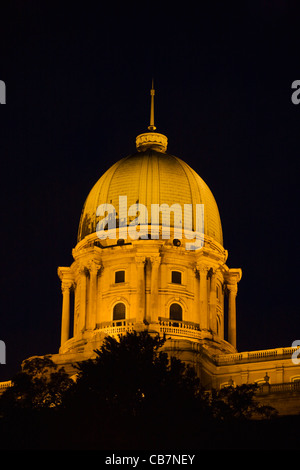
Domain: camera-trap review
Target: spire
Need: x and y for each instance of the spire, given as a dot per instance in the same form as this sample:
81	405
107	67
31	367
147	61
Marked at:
151	140
152	93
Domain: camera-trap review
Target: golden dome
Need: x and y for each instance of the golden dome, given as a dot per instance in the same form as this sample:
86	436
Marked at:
147	177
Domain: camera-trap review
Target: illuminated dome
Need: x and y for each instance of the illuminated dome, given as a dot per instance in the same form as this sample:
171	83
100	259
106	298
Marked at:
151	176
149	256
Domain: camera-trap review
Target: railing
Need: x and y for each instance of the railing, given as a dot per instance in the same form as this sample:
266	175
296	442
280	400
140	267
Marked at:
254	356
267	388
179	328
166	326
116	327
5	385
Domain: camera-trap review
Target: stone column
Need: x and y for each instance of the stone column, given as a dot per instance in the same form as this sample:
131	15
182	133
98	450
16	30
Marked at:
91	314
155	263
213	302
140	266
76	314
197	296
203	297
99	296
65	319
82	314
232	292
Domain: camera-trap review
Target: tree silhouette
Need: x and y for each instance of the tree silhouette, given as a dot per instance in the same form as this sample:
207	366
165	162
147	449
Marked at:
132	395
238	403
39	385
133	376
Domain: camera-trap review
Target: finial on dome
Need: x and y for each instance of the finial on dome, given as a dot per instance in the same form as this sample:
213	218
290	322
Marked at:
152	139
152	93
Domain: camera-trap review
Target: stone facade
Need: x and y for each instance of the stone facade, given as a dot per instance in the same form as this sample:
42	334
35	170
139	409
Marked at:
119	285
124	283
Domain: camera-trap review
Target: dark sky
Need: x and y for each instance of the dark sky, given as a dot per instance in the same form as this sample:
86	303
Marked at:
78	79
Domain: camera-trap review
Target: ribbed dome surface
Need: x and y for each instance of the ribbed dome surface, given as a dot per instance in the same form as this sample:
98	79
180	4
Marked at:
151	177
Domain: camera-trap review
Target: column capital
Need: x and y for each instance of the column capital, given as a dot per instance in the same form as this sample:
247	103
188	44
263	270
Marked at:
140	260
93	266
155	260
202	268
81	268
212	271
64	272
233	276
66	285
232	288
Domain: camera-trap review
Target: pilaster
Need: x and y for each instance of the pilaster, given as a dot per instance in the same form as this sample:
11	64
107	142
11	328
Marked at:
155	264
213	301
203	270
140	262
83	296
93	268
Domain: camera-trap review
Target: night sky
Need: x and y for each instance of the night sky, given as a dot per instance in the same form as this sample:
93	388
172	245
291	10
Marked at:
78	78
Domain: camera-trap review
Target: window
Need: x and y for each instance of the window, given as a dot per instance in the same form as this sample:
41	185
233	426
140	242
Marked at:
176	277
176	312
119	276
119	311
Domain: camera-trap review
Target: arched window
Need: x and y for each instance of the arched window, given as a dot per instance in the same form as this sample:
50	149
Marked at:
119	311
176	312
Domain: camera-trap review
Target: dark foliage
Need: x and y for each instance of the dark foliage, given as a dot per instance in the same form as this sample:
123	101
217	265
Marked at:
131	396
40	384
133	377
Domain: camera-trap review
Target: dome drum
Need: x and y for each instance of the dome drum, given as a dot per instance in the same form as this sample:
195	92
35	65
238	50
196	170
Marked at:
148	289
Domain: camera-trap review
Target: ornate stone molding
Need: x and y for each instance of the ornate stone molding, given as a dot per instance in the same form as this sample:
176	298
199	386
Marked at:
232	288
233	276
151	140
80	269
202	268
155	261
93	266
67	278
67	285
140	260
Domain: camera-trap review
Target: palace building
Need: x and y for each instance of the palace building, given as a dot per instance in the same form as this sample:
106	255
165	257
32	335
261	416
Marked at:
138	278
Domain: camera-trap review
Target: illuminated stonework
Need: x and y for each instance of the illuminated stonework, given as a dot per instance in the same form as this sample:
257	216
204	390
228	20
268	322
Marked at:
122	285
159	275
151	140
119	285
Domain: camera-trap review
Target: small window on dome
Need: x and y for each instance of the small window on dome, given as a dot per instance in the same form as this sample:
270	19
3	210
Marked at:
176	277
119	276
